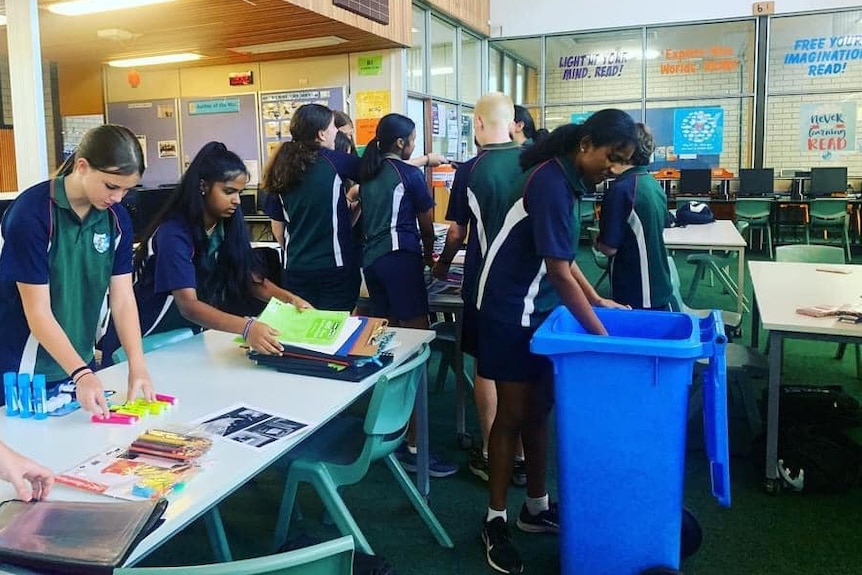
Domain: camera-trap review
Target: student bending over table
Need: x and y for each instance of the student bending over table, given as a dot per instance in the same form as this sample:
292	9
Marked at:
66	243
195	265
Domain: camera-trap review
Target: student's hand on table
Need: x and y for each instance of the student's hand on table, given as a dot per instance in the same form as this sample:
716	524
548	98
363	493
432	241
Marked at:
440	271
605	302
263	339
300	303
140	383
31	480
91	394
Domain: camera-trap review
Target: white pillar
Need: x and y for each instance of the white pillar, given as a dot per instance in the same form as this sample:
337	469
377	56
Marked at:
28	100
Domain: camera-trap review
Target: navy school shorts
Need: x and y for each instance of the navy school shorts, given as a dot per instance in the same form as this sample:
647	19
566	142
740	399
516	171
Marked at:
330	289
396	286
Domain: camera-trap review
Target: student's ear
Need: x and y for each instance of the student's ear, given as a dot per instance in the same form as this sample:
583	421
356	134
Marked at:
400	143
321	136
82	164
586	143
203	188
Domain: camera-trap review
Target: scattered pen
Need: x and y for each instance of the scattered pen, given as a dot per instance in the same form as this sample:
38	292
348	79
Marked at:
834	271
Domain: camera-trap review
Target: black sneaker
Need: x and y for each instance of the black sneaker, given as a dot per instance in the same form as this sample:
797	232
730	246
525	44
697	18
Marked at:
548	521
479	464
499	551
519	473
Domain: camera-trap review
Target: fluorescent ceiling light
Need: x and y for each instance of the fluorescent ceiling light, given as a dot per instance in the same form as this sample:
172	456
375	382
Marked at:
2	20
289	45
152	60
79	7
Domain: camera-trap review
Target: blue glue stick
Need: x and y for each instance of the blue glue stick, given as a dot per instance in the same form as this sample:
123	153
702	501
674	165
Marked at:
40	398
25	394
11	391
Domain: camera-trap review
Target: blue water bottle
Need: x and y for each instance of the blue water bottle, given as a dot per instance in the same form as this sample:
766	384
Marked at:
25	394
11	391
40	396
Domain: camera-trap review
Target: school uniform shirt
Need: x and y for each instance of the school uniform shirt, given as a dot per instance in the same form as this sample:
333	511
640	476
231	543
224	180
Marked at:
44	242
391	201
316	215
542	222
633	216
480	198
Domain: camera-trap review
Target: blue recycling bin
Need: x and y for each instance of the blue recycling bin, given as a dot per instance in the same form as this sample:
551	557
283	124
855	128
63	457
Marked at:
622	410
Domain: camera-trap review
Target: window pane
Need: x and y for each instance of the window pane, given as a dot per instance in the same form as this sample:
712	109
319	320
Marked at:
605	66
520	83
468	143
416	54
700	60
508	77
445	130
788	129
527	52
470	70
442	59
495	59
575	114
727	146
815	52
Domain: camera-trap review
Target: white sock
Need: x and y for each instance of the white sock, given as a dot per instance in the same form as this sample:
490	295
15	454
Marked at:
493	514
536	505
412	449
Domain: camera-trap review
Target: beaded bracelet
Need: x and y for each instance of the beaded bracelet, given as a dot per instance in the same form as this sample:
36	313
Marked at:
247	328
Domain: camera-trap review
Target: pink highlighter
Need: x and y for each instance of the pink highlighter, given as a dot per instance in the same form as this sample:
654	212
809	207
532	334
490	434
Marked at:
115	418
166	398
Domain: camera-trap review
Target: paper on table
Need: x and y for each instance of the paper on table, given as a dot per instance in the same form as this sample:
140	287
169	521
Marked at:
310	327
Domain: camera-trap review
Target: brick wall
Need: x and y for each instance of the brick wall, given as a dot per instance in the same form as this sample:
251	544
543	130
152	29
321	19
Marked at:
74	128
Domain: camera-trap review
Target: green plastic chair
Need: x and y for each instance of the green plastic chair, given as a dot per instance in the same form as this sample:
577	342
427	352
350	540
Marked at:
155	341
830	215
601	260
732	320
812	254
342	452
333	557
756	213
717	263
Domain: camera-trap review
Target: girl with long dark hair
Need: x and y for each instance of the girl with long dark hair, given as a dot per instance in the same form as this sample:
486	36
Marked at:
195	265
528	271
64	245
308	175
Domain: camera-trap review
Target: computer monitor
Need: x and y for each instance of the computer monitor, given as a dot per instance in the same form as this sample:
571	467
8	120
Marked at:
144	205
247	203
828	181
695	181
756	182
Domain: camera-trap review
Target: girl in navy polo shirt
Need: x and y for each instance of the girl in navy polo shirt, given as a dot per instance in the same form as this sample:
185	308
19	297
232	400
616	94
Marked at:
196	265
530	269
308	175
394	198
63	244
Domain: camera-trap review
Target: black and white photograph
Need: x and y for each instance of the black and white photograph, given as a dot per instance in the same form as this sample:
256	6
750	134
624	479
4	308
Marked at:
233	421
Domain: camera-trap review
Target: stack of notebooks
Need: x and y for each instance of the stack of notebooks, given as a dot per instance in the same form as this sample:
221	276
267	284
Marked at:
329	344
157	463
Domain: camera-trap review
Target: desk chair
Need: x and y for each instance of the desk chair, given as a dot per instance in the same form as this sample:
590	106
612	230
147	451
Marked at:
819	255
601	260
741	361
341	453
756	214
830	215
333	557
717	263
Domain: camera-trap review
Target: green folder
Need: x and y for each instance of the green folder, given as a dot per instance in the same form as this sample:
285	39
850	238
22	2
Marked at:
310	326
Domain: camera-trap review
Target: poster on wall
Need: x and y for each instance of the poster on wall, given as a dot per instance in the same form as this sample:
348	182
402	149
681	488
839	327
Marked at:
370	107
827	129
698	130
277	109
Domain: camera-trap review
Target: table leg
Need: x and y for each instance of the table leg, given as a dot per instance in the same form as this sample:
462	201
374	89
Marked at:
217	537
460	380
775	360
740	280
421	412
755	324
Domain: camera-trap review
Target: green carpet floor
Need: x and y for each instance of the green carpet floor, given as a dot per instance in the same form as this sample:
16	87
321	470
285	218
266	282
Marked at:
789	534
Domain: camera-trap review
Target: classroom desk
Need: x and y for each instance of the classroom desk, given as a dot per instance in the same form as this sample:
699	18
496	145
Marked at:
781	288
718	235
207	373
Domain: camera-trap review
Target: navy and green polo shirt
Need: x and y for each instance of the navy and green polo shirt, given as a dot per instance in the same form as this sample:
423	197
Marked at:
171	264
542	223
391	202
44	242
633	216
480	197
316	215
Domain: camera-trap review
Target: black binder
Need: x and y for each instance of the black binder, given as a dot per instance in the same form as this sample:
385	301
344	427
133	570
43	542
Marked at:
75	537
